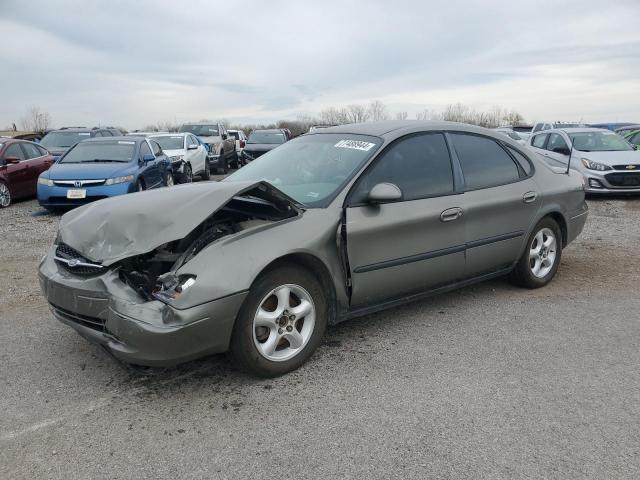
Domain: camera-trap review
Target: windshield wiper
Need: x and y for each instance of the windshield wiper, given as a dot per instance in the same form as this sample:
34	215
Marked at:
103	160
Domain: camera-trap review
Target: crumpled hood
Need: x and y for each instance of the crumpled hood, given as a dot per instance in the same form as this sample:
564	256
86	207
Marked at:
112	229
175	153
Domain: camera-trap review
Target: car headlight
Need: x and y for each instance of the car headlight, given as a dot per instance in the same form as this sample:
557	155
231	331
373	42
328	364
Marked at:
45	181
171	286
113	181
591	165
176	158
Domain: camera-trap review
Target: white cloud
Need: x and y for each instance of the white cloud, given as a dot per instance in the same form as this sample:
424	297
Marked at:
134	63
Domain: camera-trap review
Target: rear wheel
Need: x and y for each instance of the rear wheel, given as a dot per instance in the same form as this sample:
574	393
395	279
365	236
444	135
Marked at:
281	322
168	179
541	258
223	163
5	195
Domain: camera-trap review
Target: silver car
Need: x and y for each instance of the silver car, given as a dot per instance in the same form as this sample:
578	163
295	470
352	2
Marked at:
326	227
606	161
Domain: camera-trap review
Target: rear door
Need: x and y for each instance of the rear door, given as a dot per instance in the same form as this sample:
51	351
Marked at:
409	246
36	164
149	170
500	201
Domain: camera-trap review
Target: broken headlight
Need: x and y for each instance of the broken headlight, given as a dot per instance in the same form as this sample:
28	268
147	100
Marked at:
171	286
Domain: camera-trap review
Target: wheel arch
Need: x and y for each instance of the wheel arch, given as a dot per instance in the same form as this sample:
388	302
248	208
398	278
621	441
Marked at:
315	266
562	223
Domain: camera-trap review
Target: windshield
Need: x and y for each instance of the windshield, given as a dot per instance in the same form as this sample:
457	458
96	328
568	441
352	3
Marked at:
311	169
63	139
170	143
100	152
599	142
201	130
264	137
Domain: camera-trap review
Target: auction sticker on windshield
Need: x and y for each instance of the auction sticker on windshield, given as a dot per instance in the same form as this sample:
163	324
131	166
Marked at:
355	145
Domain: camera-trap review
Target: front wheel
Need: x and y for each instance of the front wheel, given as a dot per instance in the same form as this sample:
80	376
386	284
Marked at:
187	174
541	258
281	322
168	179
206	175
139	186
5	195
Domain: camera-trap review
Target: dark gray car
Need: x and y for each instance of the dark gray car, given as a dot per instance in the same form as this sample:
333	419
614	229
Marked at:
326	227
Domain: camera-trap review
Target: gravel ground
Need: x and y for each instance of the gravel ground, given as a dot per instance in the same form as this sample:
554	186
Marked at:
487	382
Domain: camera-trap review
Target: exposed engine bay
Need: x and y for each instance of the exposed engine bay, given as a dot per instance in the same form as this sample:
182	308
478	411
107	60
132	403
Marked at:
152	275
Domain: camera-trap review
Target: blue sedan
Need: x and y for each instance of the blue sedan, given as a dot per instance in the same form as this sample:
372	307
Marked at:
103	167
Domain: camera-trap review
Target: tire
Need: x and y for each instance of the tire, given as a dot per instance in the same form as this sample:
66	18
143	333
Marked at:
187	174
168	179
140	186
267	351
541	258
236	161
206	175
225	164
5	195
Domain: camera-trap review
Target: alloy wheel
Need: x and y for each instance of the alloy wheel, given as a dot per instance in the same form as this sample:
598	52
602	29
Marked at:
284	322
5	195
542	253
169	180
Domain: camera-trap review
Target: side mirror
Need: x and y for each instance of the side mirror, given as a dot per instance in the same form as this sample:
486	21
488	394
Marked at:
193	146
384	192
148	158
12	159
224	136
561	150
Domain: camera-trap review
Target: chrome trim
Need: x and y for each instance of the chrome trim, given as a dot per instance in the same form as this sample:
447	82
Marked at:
74	262
78	183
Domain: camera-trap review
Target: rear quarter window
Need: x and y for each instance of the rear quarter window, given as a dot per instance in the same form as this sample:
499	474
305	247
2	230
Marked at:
484	162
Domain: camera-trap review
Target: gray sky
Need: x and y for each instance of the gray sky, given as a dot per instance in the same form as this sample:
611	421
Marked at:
135	63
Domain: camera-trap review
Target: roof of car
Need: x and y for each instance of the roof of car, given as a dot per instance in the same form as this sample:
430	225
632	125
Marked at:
576	130
201	123
167	134
122	138
394	128
268	130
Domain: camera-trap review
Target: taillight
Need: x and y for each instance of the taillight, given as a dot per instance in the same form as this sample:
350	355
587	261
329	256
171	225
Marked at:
242	143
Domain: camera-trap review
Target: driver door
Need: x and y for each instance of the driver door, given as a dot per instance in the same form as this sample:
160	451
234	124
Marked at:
404	247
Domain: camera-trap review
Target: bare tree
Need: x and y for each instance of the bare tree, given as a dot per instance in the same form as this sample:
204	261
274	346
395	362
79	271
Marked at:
357	113
427	114
377	111
36	120
512	118
402	115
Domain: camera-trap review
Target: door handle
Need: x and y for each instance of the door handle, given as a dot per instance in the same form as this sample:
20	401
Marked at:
451	214
529	197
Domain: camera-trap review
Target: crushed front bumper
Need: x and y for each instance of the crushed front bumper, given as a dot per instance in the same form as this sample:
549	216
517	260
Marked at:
106	311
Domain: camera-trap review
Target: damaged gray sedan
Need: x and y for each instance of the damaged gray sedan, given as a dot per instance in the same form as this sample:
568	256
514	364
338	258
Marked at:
326	227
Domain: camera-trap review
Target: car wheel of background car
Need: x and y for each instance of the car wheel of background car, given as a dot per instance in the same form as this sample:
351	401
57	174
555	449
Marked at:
281	322
187	174
168	179
139	186
5	195
236	161
540	260
206	175
225	163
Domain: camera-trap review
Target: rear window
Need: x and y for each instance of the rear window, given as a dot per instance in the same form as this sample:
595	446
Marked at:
235	135
63	139
484	162
100	152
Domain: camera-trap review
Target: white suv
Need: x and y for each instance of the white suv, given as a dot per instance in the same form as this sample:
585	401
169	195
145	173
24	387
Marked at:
549	125
188	156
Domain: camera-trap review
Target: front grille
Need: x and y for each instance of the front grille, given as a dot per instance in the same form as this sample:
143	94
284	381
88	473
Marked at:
93	323
66	252
79	183
253	155
624	167
624	179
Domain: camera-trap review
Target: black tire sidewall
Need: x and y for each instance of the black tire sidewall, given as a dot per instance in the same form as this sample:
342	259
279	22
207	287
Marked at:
243	348
523	274
139	186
